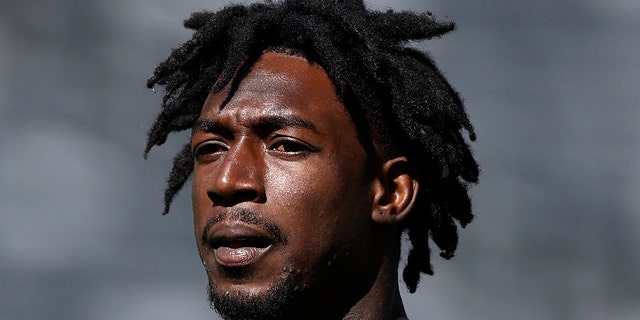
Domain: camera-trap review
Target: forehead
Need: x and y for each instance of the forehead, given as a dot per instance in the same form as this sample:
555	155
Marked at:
280	84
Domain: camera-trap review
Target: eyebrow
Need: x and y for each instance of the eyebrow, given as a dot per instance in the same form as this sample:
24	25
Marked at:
210	126
264	124
270	123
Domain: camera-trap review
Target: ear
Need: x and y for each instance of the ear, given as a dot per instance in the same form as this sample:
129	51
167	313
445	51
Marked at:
395	191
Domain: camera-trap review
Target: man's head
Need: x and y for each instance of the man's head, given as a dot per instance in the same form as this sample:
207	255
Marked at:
318	137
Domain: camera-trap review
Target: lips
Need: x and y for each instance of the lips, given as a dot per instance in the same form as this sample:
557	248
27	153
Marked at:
237	244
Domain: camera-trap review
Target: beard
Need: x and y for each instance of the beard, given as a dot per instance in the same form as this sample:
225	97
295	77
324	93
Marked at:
276	303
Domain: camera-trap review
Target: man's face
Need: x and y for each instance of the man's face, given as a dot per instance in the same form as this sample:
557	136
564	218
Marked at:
282	189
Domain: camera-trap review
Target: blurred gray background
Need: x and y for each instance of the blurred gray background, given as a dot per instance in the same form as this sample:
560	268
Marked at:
552	87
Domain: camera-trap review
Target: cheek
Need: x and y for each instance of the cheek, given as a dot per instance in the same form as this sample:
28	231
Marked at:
318	201
306	189
200	202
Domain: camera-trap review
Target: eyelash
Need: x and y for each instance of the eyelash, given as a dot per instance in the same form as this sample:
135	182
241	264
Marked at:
293	146
285	146
208	148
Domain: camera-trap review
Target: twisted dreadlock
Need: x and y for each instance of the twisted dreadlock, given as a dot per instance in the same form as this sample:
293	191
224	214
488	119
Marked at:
396	89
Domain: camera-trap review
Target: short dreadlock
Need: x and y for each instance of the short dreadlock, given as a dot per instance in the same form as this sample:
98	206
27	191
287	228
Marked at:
398	90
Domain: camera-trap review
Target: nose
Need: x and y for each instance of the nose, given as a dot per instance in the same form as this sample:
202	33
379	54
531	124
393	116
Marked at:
239	177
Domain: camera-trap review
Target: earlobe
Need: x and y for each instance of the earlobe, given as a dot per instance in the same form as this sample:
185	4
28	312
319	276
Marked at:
396	191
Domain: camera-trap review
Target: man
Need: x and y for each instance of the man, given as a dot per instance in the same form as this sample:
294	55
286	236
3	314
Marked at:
318	139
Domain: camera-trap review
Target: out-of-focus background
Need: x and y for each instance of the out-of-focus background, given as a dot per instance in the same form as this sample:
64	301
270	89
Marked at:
552	87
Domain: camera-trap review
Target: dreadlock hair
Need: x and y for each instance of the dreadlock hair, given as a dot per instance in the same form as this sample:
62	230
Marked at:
398	90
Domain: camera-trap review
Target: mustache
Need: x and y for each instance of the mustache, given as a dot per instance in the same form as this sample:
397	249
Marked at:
249	217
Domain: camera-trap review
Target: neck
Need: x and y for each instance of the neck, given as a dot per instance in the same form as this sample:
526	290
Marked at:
383	301
366	294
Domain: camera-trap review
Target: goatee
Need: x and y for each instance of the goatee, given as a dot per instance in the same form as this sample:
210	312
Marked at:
276	303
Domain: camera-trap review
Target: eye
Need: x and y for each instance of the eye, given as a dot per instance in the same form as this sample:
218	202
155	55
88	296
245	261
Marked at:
208	149
291	146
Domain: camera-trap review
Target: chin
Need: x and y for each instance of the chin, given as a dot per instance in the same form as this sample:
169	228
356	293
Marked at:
251	302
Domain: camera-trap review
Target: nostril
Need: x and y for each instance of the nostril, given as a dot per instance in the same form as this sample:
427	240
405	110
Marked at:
216	198
231	199
246	195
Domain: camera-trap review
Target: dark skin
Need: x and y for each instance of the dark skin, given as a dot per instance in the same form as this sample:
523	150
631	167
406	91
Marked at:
283	189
